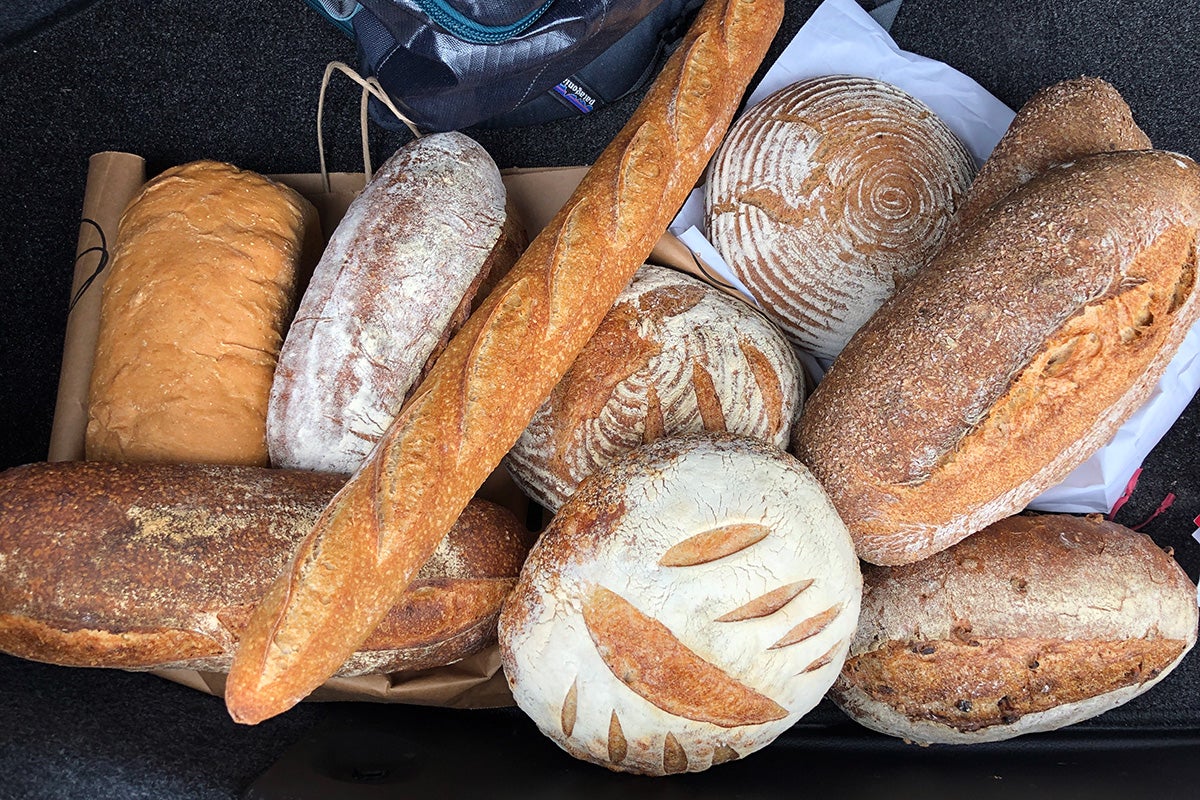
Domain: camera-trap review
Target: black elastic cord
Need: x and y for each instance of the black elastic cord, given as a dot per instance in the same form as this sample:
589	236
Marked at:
102	249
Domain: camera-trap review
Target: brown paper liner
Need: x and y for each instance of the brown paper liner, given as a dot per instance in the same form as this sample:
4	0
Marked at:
113	180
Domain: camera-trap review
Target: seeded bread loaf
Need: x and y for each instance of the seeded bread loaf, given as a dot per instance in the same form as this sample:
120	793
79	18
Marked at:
206	270
673	356
149	566
399	276
1034	623
1016	354
686	606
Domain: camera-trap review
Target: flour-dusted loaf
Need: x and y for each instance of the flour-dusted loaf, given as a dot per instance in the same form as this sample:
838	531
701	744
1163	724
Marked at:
1011	358
673	356
398	277
827	195
1030	625
495	372
148	566
204	279
686	606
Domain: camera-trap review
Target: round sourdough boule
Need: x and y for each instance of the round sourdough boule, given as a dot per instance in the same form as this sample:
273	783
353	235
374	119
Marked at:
686	606
399	277
1034	623
673	356
828	195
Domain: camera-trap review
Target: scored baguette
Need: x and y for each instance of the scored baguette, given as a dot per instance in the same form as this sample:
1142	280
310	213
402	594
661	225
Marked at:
483	390
158	566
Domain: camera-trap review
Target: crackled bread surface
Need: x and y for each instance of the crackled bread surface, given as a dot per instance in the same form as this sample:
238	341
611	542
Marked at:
686	606
672	356
1034	623
827	196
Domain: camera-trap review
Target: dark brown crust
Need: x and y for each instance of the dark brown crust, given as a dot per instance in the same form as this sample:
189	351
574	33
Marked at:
986	682
1078	252
1031	614
154	566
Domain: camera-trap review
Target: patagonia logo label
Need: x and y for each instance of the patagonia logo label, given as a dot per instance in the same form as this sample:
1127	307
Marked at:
576	95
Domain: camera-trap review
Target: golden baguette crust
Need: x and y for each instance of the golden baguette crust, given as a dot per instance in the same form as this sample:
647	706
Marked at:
149	566
1012	357
1034	623
1060	123
493	375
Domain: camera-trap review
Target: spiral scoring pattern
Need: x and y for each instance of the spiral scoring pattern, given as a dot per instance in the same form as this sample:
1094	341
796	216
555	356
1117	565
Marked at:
827	196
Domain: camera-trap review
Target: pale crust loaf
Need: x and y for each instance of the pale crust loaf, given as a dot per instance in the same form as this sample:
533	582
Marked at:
495	372
397	279
204	280
1034	623
687	605
1012	357
153	566
672	356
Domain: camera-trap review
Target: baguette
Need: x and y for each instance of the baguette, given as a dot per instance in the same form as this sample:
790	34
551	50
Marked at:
497	370
158	566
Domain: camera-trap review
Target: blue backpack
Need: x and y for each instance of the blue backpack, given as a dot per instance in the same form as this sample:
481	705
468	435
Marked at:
452	64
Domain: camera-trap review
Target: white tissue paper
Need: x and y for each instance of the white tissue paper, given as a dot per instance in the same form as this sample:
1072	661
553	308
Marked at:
842	39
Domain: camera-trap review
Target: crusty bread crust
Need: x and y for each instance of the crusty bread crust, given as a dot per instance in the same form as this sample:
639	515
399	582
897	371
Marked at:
827	196
497	370
686	606
155	566
1034	623
1060	123
204	281
672	356
397	279
1012	357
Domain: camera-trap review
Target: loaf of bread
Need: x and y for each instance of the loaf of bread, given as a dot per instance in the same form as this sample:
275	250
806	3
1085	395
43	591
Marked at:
686	606
673	356
1060	123
205	274
148	566
1015	355
493	375
1030	625
398	277
827	195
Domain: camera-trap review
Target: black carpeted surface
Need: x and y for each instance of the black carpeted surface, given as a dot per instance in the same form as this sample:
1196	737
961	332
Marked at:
182	79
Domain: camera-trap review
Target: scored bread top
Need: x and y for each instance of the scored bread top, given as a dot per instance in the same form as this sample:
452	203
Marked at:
397	278
204	280
827	195
685	606
672	356
1012	357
